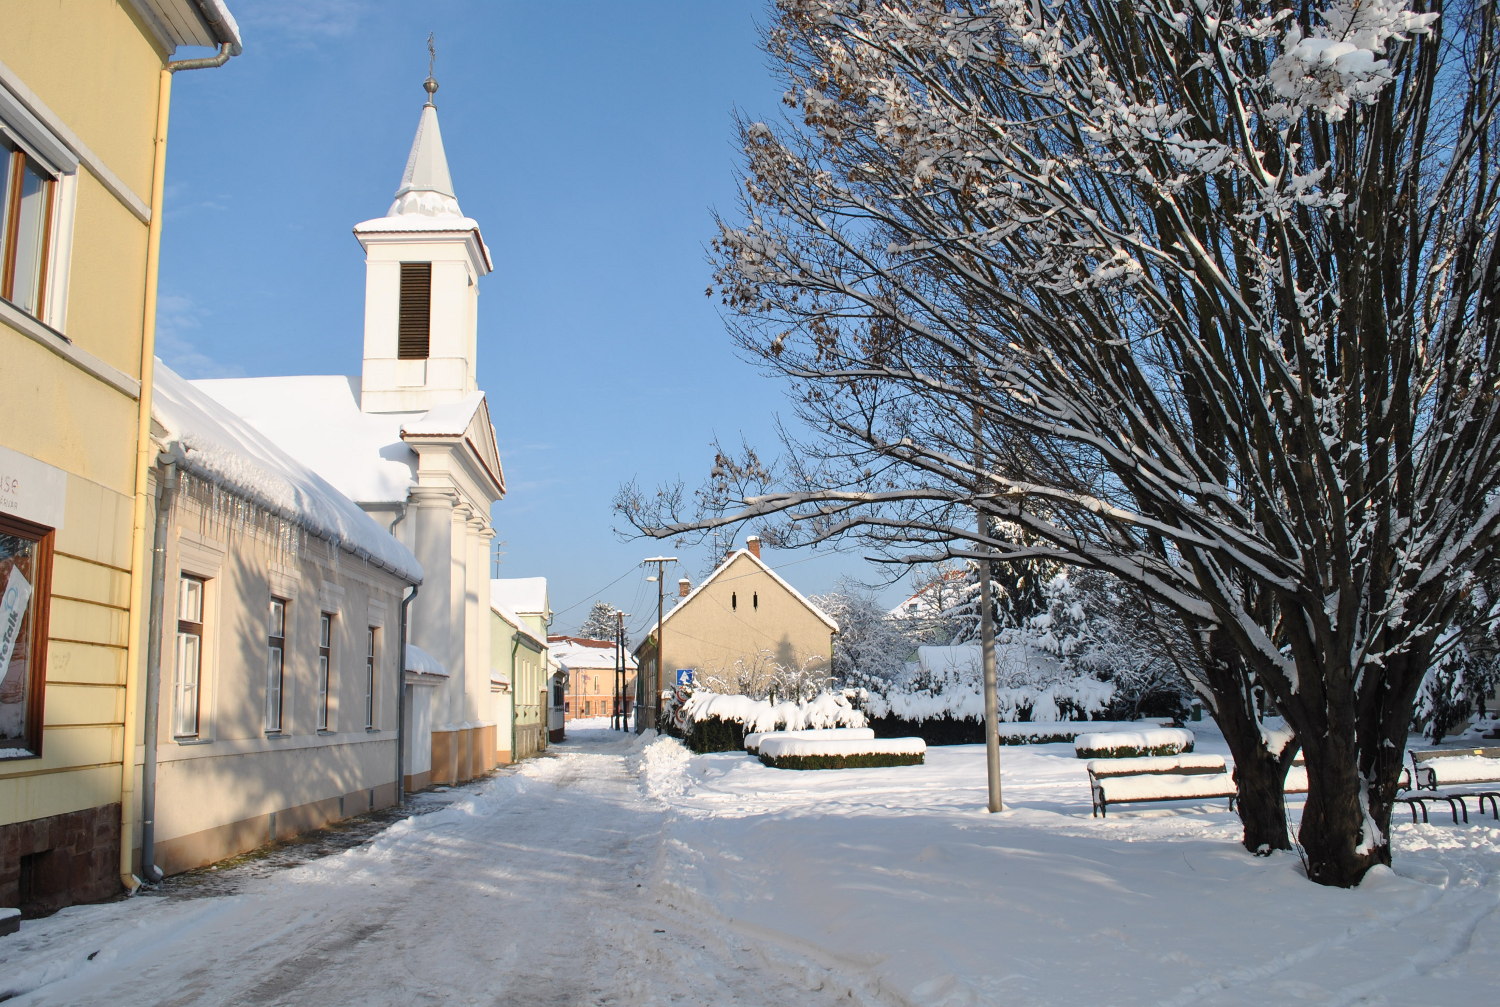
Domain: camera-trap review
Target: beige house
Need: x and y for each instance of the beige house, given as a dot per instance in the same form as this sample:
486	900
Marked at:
591	682
84	96
271	677
744	629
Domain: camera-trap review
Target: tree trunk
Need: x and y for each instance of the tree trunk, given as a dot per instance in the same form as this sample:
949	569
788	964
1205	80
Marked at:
1341	843
1259	773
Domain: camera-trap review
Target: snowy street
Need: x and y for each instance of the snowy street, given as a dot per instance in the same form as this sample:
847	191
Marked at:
617	872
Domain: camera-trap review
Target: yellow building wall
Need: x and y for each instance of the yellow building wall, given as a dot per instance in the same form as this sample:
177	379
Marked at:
96	70
743	619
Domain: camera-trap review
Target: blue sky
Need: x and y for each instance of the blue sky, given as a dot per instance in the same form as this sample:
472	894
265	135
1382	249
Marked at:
591	141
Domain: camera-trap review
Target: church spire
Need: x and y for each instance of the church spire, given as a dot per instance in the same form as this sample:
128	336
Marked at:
426	187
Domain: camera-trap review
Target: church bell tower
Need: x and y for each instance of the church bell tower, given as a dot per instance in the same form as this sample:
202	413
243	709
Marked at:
423	261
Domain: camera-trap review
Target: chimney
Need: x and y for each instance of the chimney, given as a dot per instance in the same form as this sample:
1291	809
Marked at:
753	544
684	587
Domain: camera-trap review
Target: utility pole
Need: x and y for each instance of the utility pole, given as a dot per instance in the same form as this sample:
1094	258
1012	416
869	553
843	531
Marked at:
660	578
621	719
987	631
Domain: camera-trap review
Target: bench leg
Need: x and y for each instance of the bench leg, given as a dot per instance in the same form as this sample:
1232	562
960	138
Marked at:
1494	807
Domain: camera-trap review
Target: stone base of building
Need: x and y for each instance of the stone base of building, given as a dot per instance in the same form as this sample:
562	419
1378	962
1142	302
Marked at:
418	781
461	755
48	863
183	853
555	735
502	757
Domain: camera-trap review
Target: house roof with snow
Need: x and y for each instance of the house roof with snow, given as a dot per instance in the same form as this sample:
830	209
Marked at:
577	653
317	418
522	595
514	620
213	442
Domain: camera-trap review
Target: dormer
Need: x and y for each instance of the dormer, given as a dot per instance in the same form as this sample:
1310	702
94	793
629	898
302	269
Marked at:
423	261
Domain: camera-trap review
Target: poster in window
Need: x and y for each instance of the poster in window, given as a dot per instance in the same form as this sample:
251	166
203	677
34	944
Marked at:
17	560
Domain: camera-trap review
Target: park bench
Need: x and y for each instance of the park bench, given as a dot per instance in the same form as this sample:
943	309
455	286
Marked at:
1157	778
1475	770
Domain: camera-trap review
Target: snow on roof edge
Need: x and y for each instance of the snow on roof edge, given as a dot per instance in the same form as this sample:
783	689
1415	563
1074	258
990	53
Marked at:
215	443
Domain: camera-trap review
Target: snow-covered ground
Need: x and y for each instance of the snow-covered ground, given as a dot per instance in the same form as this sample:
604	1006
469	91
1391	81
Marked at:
619	872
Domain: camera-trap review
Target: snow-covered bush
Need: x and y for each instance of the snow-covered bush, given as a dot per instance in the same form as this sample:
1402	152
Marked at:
715	722
1134	744
825	753
1455	687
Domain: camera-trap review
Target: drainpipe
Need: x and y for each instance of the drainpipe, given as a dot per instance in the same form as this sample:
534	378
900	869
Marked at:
401	696
144	455
166	488
515	691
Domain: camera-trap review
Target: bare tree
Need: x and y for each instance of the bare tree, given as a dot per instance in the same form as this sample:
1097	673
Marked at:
1211	287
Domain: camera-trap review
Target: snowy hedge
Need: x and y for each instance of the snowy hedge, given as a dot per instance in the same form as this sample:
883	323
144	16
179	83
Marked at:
1133	744
790	751
716	722
948	731
754	739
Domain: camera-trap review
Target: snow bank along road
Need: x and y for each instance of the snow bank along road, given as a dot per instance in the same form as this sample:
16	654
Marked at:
534	888
620	872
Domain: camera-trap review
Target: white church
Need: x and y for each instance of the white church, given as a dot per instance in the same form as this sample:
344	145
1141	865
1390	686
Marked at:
410	441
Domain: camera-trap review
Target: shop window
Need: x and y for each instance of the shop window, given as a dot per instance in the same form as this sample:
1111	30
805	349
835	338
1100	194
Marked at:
188	686
275	664
25	593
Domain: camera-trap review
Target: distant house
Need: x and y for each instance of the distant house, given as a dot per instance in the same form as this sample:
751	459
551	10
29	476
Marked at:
523	600
744	629
932	599
591	676
275	632
517	661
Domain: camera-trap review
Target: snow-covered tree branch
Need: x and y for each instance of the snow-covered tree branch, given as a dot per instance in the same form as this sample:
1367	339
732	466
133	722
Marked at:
1202	294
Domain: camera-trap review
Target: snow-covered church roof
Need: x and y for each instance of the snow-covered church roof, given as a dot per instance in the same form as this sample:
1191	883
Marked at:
317	418
213	442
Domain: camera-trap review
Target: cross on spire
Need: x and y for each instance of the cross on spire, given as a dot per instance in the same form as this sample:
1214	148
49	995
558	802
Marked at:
430	84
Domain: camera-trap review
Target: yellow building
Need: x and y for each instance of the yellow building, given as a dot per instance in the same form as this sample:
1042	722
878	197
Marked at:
84	87
743	630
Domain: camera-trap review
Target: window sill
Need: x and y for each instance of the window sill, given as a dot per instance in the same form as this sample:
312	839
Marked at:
192	739
277	734
65	348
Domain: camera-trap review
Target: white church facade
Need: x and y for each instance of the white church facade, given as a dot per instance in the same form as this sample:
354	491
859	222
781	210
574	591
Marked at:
410	440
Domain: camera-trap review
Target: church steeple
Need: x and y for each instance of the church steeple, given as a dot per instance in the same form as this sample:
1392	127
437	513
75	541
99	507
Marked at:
423	260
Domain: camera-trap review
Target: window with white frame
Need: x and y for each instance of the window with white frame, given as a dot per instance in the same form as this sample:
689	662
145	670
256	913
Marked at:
325	667
275	664
187	688
37	170
372	649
